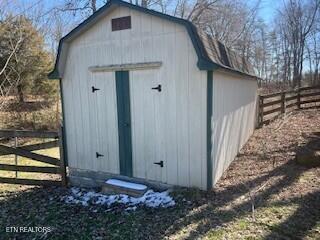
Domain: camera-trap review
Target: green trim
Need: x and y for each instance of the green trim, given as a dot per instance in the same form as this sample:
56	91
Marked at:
64	135
124	122
205	65
54	74
204	62
209	128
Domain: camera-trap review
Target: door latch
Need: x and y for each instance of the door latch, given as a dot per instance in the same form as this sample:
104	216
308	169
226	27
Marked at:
159	163
157	88
99	155
94	89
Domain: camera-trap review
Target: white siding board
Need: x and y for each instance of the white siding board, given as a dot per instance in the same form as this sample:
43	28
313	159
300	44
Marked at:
171	114
139	167
85	117
106	122
196	126
182	91
77	112
70	122
94	128
203	137
136	25
145	124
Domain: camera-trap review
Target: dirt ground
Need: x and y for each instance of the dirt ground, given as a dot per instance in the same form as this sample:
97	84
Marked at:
264	194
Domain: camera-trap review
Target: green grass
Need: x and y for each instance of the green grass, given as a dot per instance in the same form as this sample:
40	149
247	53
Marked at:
10	159
216	234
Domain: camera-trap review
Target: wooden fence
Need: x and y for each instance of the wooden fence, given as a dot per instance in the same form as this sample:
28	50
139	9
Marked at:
57	165
274	105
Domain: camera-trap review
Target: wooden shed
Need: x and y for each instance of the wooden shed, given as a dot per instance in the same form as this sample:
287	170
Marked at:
149	97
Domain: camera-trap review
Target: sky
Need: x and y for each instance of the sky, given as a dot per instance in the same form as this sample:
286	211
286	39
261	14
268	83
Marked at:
268	8
266	11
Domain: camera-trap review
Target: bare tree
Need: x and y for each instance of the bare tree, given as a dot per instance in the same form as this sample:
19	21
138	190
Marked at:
298	18
7	84
74	6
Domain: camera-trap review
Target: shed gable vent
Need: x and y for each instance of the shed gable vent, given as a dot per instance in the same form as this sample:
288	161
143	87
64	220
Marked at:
121	23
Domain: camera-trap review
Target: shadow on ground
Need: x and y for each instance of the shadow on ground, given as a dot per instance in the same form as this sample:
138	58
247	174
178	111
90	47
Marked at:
286	198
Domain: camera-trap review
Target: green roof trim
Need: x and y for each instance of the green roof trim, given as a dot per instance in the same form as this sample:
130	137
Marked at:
204	63
54	74
209	128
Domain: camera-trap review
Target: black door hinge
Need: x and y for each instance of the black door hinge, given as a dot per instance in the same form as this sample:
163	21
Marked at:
94	89
157	88
159	163
98	155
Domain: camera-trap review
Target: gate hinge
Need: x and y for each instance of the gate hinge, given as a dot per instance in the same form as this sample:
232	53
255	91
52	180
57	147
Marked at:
157	88
99	155
94	89
159	163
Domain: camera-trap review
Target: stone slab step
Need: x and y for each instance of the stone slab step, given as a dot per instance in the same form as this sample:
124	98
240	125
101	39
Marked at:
116	186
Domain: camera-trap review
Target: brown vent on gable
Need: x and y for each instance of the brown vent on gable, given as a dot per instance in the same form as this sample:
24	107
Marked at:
121	23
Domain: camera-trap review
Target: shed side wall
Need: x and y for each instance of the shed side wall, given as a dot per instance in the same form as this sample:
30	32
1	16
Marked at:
234	107
184	91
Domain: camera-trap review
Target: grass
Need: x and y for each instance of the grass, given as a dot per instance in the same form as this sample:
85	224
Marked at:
201	218
287	200
10	159
36	113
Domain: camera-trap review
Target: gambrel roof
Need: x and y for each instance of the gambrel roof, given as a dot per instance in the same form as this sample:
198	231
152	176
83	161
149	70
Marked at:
224	56
211	53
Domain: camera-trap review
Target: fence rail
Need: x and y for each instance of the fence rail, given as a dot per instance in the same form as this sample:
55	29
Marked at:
271	106
27	133
57	165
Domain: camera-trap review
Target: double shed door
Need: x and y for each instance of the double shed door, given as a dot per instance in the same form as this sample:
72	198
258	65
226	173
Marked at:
129	123
103	122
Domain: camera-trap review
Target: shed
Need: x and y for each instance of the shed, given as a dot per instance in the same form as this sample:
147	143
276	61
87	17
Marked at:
149	97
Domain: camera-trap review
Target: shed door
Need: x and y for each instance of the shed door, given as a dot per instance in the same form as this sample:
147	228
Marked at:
147	125
103	121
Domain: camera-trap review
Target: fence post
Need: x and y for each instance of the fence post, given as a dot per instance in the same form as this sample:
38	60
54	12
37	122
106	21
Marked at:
298	98
62	159
260	117
283	102
16	156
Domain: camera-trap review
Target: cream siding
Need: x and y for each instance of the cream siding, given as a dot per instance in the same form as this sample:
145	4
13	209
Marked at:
180	132
234	107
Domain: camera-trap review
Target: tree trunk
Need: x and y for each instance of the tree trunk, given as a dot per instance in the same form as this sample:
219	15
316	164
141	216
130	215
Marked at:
144	3
94	5
20	93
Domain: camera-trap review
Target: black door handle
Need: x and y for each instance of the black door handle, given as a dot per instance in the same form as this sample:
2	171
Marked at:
98	155
157	88
159	163
94	89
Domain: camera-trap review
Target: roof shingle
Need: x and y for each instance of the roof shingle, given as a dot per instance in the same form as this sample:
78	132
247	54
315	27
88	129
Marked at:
224	56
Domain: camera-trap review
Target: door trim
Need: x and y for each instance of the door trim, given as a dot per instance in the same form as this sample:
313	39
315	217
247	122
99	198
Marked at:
209	129
126	67
124	122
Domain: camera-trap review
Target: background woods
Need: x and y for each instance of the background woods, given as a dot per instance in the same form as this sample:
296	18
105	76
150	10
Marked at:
283	48
27	68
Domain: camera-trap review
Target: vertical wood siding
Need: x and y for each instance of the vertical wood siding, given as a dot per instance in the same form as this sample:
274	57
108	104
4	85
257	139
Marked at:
234	106
180	129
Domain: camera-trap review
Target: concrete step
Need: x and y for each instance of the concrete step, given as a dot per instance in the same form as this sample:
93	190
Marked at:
116	186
